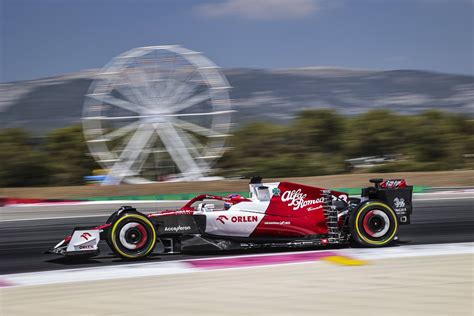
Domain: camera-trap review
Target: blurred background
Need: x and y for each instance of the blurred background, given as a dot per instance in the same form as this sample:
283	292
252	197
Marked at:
96	93
311	87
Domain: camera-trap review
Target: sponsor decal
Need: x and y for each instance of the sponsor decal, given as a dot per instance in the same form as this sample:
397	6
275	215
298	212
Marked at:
85	247
399	202
277	223
221	219
315	208
177	228
276	191
238	219
244	219
393	183
297	199
86	235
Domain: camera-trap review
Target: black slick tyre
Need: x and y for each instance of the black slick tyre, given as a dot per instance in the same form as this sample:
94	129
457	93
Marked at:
373	224
132	236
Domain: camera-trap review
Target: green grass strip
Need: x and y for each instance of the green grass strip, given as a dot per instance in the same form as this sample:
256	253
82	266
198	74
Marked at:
188	196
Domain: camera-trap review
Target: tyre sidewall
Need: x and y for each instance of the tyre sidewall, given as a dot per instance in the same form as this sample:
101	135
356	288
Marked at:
121	250
357	228
113	218
121	212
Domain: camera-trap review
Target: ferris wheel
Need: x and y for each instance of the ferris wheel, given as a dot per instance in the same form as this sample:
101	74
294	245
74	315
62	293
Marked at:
156	112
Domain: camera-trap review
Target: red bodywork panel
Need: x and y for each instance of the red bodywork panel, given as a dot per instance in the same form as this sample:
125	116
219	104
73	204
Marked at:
293	210
393	184
296	211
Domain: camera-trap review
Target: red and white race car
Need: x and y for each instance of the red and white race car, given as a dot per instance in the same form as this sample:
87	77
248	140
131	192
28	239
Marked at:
278	214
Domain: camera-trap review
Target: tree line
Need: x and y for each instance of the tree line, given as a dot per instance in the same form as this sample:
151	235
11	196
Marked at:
316	142
59	158
319	142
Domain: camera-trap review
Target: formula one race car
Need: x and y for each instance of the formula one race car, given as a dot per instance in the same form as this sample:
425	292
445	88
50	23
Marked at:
279	214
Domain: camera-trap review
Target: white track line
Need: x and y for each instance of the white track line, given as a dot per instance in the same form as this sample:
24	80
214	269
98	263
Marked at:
52	218
88	213
446	198
61	217
110	202
132	202
182	266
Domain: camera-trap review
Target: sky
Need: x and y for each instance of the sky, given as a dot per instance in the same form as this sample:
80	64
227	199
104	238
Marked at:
41	38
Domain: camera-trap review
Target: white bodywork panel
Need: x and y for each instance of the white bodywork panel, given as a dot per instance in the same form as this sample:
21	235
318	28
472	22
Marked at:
242	218
252	207
264	195
232	223
84	240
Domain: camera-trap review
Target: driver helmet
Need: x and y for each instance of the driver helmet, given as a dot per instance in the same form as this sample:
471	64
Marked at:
234	196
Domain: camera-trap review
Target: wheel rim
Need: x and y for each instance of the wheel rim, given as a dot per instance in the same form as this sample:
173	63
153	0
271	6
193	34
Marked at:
376	223
133	236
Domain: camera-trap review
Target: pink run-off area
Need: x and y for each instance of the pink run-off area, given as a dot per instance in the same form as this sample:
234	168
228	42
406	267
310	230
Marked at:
5	283
250	261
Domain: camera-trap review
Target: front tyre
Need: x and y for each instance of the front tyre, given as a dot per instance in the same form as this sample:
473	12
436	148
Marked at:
132	236
374	224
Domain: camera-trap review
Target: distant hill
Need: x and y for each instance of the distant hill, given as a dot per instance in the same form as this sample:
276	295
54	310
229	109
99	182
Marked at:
258	94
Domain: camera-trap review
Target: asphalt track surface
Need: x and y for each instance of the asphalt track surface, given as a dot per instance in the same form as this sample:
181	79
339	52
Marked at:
23	242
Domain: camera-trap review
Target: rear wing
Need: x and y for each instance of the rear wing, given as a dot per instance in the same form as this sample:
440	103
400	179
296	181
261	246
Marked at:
396	193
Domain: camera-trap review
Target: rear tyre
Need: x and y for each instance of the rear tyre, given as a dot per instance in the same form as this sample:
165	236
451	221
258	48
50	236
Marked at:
132	236
373	224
